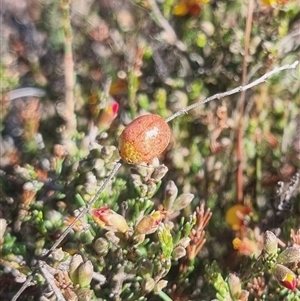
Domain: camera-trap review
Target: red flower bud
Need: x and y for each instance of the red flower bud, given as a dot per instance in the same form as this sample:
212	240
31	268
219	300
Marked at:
285	276
110	220
107	115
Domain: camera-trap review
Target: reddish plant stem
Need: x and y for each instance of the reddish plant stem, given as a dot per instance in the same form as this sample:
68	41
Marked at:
69	110
241	106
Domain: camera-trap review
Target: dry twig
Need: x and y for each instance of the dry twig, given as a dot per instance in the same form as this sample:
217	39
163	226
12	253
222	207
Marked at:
162	22
50	279
260	80
241	107
69	110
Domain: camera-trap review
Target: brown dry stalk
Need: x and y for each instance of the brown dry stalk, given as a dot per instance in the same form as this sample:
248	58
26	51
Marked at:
69	110
240	107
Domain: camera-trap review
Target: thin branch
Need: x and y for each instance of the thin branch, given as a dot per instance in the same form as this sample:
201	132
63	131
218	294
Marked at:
24	286
69	110
50	279
260	80
241	107
163	22
241	101
26	92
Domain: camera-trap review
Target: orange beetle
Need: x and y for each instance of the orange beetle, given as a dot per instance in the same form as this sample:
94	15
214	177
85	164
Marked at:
143	139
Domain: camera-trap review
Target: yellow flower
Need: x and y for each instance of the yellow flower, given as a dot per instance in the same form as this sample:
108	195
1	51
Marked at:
245	246
235	216
273	2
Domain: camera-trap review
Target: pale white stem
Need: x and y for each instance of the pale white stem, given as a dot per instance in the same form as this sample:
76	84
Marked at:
163	22
234	91
50	279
